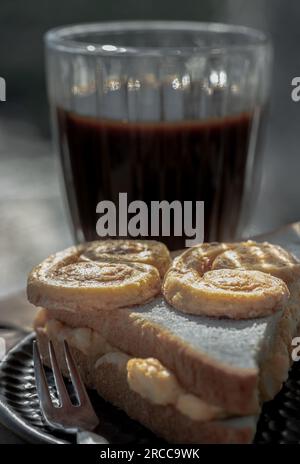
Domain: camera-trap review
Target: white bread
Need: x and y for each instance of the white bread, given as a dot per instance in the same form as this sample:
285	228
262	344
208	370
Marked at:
165	421
219	360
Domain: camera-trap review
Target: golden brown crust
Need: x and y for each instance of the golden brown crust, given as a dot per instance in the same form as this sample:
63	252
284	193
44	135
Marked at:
226	280
232	293
264	257
232	389
200	258
64	279
165	421
137	251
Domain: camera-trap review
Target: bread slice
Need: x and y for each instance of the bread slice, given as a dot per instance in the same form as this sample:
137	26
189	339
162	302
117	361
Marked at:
165	421
235	365
217	360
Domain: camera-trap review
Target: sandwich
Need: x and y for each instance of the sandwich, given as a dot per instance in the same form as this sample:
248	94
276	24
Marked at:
191	347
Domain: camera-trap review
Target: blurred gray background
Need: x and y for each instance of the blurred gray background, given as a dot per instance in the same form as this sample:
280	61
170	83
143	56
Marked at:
32	219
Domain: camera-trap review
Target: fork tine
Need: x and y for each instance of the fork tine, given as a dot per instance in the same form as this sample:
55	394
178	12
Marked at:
41	381
76	378
62	392
67	416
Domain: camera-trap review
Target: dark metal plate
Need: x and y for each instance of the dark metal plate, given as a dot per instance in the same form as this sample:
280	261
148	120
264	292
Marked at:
20	411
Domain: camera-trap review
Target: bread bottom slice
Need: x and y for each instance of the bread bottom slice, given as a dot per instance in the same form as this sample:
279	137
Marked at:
167	422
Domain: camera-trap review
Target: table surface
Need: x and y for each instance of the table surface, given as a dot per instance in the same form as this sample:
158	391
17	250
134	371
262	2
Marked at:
32	221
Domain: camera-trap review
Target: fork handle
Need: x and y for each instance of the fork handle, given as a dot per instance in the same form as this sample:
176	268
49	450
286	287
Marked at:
83	437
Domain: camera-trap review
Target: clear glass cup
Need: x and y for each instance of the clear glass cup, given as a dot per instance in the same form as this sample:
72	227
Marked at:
161	111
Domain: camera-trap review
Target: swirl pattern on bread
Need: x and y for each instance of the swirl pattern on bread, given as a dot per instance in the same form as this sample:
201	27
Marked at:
235	280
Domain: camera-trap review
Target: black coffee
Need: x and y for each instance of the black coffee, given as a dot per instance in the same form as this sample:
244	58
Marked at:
156	161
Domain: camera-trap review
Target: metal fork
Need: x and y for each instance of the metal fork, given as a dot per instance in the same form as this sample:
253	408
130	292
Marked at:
80	419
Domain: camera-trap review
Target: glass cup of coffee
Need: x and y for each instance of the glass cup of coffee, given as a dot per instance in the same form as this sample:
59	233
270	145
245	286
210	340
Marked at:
161	111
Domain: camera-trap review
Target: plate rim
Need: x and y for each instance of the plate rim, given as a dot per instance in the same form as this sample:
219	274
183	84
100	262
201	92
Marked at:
14	421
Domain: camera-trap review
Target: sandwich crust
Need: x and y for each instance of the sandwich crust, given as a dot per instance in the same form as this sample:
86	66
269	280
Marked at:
66	280
134	251
238	281
233	389
164	420
232	293
265	257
